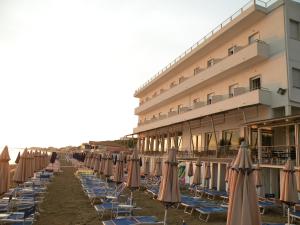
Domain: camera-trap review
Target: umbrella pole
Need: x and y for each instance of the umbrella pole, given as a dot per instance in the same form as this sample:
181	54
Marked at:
166	213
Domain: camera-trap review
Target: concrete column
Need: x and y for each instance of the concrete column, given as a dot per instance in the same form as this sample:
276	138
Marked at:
287	139
259	145
219	177
147	143
297	147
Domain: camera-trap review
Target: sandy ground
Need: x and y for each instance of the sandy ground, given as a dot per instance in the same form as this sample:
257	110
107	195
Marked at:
66	204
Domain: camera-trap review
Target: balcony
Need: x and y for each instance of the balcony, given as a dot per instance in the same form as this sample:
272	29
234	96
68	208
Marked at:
246	98
242	59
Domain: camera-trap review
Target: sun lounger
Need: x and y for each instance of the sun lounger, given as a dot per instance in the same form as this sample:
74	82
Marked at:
133	220
205	212
112	207
191	203
263	205
25	217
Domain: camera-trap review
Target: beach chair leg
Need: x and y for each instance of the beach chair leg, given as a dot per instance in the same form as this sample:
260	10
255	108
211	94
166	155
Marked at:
204	218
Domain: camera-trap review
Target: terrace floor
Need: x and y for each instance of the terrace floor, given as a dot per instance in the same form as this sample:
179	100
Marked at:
66	204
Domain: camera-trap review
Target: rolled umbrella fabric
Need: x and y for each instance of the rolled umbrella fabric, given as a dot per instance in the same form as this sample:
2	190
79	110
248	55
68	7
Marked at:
243	208
36	161
169	192
119	169
108	166
297	173
134	176
20	173
4	170
146	166
97	162
102	164
158	167
207	174
169	188
197	176
288	193
18	158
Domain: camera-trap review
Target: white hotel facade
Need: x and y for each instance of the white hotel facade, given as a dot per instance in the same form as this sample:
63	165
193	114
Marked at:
241	80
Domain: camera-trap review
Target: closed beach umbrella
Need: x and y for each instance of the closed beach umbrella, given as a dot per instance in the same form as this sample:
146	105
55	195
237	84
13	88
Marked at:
158	168
147	166
243	208
86	159
298	179
119	169
20	173
197	176
207	174
36	161
32	162
102	164
97	162
93	160
4	170
134	176
288	192
108	166
169	192
18	158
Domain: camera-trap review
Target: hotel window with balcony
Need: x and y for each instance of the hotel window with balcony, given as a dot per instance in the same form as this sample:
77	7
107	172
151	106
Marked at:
296	77
295	30
231	50
210	141
210	62
255	83
210	97
196	142
230	139
231	90
253	38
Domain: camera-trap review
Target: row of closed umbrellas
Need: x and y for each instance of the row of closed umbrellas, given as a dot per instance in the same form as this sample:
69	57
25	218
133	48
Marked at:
242	181
27	163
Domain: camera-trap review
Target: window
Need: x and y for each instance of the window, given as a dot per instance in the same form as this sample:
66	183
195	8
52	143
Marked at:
197	70
210	141
255	83
231	50
210	62
294	29
196	142
179	108
209	98
231	90
296	77
253	38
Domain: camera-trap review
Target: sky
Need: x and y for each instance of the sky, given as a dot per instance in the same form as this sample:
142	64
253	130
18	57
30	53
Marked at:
69	68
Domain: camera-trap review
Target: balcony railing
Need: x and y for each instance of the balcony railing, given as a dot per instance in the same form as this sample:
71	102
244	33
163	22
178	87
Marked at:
197	105
261	3
274	155
237	49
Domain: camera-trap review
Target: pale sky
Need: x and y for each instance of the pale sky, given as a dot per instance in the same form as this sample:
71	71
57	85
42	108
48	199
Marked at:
69	68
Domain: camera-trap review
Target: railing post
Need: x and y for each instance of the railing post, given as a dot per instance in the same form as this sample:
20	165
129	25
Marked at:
297	148
259	145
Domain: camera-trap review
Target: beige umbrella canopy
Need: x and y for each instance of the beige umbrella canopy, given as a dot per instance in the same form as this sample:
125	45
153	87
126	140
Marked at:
93	160
242	208
20	175
191	169
86	159
97	162
36	161
207	174
4	170
134	177
147	166
102	164
119	169
197	175
158	167
169	192
108	165
288	189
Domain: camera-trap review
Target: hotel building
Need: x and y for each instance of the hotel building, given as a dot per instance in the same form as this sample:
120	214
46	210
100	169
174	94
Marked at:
240	80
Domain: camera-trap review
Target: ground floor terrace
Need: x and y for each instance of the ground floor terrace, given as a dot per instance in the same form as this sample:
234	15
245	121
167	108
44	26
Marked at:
215	139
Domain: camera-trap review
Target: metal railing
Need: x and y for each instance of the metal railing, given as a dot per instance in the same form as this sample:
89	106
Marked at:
274	155
261	3
175	113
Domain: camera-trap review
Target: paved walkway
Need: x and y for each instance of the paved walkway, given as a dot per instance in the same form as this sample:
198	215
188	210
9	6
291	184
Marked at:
65	202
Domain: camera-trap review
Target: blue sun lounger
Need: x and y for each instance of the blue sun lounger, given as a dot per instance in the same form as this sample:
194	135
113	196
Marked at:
263	205
191	203
113	208
132	220
205	212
